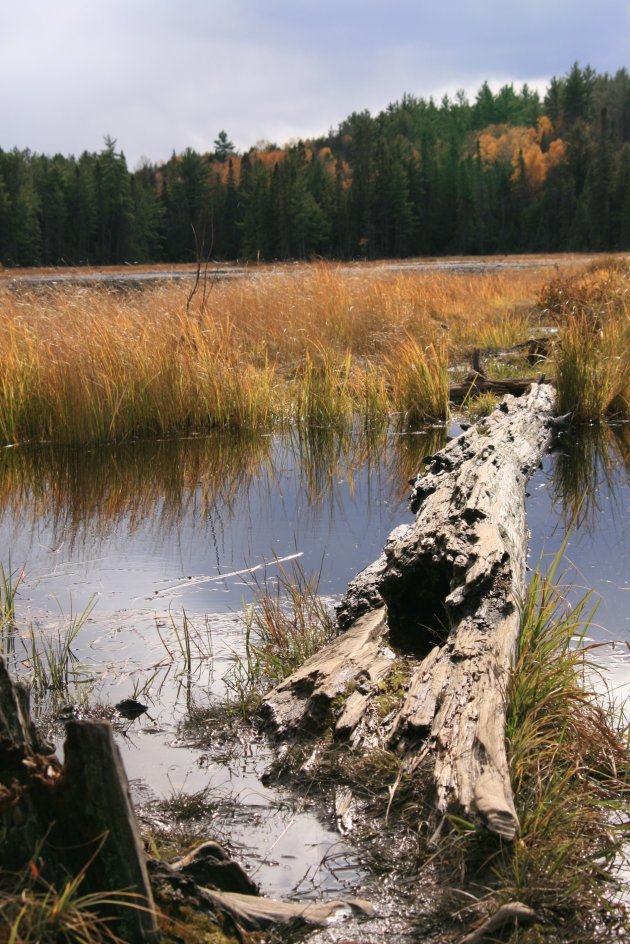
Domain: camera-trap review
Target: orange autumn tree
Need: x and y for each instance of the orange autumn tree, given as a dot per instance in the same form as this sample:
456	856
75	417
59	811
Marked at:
529	151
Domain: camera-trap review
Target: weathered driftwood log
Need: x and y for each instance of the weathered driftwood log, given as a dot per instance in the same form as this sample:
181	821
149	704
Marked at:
445	592
71	818
258	914
477	381
513	913
249	912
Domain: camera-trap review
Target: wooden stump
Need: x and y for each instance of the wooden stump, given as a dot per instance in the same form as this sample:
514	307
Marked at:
445	592
70	818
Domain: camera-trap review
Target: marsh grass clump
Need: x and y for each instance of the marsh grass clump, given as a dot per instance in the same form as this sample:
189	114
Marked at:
592	361
419	382
309	344
44	657
10	581
32	911
593	369
323	391
185	807
283	628
570	760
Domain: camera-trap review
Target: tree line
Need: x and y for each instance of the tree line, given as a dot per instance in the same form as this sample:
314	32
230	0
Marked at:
512	171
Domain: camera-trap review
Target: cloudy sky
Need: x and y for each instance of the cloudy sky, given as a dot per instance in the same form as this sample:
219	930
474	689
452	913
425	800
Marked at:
160	75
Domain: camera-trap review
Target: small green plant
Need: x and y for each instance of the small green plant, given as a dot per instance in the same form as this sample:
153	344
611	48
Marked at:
283	628
185	807
51	658
483	404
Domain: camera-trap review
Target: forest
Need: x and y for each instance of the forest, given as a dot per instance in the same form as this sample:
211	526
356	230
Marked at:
513	171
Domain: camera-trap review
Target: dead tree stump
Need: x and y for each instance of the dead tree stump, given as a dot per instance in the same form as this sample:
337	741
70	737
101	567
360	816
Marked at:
70	818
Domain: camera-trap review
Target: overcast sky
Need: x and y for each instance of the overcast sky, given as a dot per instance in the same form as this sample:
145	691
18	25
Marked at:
160	75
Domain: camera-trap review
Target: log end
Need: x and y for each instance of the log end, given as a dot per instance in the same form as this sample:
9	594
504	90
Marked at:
495	807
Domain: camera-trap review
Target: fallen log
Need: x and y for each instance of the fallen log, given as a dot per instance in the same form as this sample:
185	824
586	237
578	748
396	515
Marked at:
445	595
475	384
196	882
477	381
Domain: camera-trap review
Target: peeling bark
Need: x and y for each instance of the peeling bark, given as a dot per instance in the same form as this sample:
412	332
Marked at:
445	592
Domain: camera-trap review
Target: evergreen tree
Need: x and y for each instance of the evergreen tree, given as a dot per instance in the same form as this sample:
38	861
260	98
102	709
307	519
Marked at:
5	224
223	147
27	243
114	205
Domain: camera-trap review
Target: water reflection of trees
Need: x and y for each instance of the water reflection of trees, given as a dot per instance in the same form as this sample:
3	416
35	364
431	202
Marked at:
594	461
100	489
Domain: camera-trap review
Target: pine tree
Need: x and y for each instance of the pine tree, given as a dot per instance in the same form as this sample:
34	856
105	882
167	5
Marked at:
223	147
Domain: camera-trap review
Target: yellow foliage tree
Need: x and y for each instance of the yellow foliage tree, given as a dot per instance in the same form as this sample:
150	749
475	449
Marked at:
522	148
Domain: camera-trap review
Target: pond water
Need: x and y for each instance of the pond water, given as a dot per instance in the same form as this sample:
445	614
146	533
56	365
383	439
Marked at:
582	494
149	531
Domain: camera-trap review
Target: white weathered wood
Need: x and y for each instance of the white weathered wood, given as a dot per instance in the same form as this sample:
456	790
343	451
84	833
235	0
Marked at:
512	913
254	913
352	664
450	583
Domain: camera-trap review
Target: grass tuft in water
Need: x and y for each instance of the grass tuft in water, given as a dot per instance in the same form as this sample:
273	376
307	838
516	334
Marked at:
283	628
419	382
188	643
51	658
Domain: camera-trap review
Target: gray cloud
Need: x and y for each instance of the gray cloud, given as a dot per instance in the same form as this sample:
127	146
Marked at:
162	75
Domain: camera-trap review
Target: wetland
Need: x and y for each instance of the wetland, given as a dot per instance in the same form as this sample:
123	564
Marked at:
156	547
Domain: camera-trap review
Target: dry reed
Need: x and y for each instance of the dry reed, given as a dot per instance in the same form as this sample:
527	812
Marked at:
592	309
313	344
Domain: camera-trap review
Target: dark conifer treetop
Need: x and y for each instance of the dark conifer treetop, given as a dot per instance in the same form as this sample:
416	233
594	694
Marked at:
508	172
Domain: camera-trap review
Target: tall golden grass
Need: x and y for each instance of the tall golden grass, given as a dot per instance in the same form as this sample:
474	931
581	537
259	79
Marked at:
312	344
592	362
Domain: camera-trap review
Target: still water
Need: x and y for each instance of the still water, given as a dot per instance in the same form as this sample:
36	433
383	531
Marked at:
149	531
